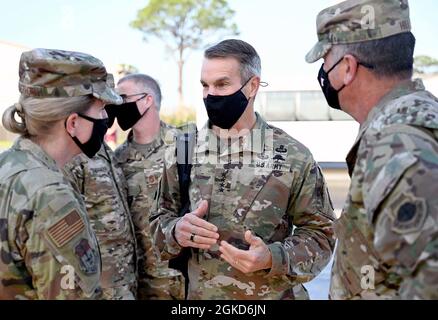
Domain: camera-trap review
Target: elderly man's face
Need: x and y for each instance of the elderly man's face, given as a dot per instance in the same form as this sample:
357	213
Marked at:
220	76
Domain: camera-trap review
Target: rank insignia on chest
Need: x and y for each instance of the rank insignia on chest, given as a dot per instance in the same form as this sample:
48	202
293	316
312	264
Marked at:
279	158
281	149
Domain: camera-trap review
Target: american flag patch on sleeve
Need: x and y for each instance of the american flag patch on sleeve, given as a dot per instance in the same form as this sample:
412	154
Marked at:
66	229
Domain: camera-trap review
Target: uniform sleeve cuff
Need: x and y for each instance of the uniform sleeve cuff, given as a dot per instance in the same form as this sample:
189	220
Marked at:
280	262
173	246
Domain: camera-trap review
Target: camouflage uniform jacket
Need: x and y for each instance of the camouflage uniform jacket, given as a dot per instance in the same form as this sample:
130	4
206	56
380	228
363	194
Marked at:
143	167
389	226
103	187
272	187
44	230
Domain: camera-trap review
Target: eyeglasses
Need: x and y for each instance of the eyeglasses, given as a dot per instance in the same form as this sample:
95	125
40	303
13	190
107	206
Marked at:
125	97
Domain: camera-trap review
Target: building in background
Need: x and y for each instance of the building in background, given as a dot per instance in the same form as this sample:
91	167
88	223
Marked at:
305	115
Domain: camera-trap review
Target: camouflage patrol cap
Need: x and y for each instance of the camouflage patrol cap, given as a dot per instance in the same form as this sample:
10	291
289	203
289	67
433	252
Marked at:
357	21
57	73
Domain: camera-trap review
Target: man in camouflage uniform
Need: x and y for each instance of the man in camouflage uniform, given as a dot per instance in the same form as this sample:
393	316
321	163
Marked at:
48	249
102	183
261	218
389	226
141	157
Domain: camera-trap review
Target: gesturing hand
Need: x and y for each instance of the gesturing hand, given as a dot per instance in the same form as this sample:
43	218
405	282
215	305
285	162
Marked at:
258	257
193	231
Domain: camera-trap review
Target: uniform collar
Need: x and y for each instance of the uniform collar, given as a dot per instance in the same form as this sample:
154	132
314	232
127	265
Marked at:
27	145
146	149
103	151
208	140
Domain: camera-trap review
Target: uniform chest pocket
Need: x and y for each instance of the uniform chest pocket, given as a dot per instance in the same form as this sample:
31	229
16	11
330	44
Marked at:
267	216
136	182
142	187
141	181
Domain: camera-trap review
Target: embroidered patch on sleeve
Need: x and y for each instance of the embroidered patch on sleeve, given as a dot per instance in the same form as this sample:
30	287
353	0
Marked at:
66	229
410	214
88	258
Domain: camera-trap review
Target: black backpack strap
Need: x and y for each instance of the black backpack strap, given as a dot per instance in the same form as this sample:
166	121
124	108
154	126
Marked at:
185	145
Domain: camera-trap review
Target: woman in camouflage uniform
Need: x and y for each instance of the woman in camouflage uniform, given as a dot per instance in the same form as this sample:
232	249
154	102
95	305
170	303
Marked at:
47	247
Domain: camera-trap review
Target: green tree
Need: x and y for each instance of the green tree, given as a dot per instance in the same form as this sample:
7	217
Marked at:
125	69
185	25
179	117
425	64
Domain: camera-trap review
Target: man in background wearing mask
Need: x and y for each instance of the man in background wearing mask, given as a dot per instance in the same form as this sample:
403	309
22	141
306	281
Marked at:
102	184
388	230
141	157
261	218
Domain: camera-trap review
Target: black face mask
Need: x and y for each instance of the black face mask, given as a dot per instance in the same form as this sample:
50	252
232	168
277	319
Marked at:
330	93
111	110
225	111
127	114
93	145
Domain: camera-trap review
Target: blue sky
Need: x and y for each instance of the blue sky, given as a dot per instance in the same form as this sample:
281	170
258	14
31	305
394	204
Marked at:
282	31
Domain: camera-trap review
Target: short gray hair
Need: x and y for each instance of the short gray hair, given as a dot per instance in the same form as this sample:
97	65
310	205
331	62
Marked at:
391	57
244	53
149	84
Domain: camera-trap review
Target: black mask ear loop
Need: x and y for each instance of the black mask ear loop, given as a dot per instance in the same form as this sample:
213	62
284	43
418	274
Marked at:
146	111
241	88
94	143
247	81
75	139
136	102
366	65
147	108
331	69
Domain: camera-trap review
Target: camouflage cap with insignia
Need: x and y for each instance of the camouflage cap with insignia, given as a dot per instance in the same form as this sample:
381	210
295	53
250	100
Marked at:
57	73
357	21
